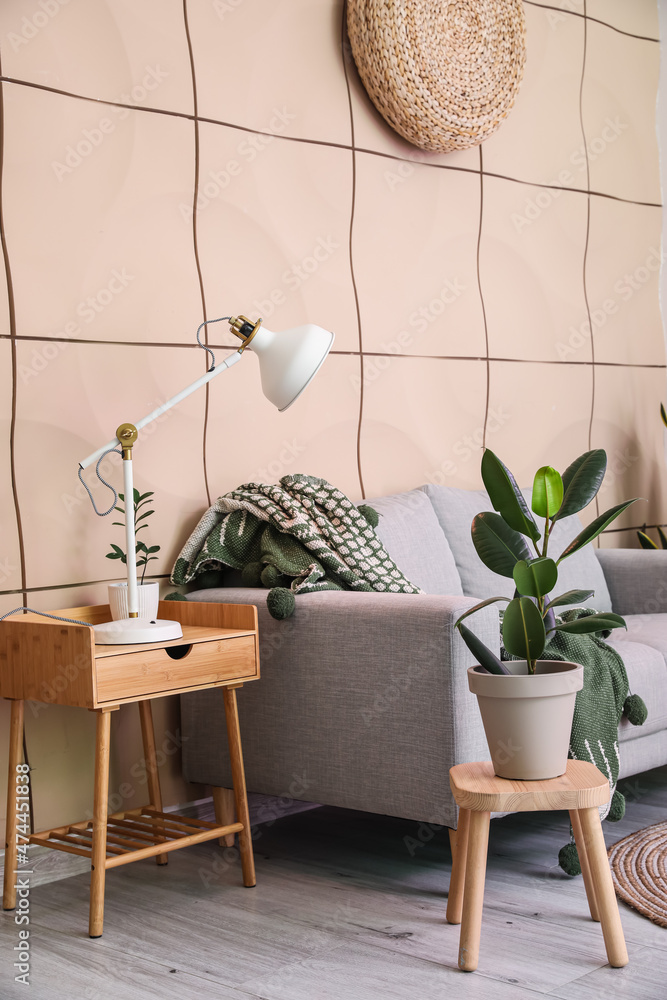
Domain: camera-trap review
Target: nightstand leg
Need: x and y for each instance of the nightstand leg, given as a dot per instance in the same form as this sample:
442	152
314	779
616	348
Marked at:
225	811
473	895
238	778
458	841
15	758
100	810
610	919
585	867
150	756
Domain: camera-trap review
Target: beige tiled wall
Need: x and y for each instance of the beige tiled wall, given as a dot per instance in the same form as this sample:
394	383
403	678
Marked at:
166	161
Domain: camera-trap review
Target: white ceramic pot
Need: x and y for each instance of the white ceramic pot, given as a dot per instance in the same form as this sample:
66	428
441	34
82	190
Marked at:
148	594
528	718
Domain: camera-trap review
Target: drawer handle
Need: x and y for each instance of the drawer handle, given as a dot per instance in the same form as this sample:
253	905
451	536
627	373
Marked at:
178	652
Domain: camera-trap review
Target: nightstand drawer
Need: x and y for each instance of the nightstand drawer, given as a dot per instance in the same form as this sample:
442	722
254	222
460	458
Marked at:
155	672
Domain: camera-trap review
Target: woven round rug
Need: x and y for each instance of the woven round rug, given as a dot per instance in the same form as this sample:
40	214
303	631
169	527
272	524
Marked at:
639	870
443	74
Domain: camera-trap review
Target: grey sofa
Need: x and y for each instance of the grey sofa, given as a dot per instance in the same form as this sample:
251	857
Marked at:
363	700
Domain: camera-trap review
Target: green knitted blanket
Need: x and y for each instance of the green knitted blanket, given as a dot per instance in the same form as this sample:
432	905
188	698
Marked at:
303	534
599	706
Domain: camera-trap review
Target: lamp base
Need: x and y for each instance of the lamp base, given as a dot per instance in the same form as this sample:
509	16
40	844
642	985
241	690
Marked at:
128	631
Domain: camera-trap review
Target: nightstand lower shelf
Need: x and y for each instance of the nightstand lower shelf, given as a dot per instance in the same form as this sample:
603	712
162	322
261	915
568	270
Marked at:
134	834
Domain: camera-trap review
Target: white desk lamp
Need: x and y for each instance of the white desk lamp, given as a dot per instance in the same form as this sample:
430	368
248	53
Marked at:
287	361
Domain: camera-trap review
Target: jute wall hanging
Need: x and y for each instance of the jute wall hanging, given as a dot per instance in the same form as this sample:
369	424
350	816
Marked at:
443	73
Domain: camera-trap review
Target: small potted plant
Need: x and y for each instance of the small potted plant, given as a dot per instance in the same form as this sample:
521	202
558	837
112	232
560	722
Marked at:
527	704
148	593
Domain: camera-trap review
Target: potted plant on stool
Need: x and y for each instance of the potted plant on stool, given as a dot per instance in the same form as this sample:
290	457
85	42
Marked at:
527	704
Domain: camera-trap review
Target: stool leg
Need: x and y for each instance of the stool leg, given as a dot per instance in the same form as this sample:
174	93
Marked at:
605	896
585	867
11	846
238	779
100	809
458	841
223	803
150	756
473	894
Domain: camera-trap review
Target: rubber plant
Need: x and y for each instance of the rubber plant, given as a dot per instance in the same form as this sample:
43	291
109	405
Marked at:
145	553
503	539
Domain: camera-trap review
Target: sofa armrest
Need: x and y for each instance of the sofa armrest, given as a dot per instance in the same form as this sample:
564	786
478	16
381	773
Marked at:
637	579
364	694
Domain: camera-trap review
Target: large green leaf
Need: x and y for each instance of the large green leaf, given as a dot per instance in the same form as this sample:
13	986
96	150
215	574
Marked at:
523	629
663	537
498	546
593	623
581	481
535	577
595	527
547	492
506	496
486	657
571	597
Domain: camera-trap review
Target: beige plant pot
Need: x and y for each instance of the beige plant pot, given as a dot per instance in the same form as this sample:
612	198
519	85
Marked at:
147	593
528	718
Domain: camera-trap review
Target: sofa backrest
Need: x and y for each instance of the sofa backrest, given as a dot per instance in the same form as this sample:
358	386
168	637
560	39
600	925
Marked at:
413	537
455	509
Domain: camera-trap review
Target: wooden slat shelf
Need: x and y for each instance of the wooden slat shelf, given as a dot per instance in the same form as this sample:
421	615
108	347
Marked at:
134	835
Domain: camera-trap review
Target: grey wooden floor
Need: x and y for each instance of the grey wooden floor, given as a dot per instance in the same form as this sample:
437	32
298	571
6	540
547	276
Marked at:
347	905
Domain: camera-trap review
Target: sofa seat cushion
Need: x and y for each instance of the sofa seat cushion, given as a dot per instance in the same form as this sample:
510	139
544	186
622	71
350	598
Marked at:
647	674
411	534
455	509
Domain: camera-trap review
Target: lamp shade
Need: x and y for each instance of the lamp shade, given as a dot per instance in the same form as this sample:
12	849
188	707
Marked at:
289	360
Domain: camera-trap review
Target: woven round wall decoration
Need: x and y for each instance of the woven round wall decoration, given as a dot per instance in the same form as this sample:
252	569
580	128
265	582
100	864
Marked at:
443	73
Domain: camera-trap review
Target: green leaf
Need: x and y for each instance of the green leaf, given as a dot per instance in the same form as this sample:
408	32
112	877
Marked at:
645	541
486	657
570	597
663	414
663	537
523	629
122	497
498	546
593	623
135	494
478	607
154	548
595	527
535	577
506	496
581	481
146	513
120	524
547	492
151	493
141	547
114	555
117	549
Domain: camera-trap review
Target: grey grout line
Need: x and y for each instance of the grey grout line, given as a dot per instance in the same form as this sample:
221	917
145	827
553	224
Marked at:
353	277
322	142
195	240
589	17
341	353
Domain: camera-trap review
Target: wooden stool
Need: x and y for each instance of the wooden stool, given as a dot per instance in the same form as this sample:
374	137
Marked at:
478	793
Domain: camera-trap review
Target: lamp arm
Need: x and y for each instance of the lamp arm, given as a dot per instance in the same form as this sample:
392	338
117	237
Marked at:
204	380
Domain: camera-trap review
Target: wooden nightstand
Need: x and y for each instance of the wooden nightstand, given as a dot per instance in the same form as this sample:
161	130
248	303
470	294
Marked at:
51	661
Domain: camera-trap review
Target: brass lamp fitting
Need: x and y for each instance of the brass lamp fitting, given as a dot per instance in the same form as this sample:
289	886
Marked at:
127	434
244	328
